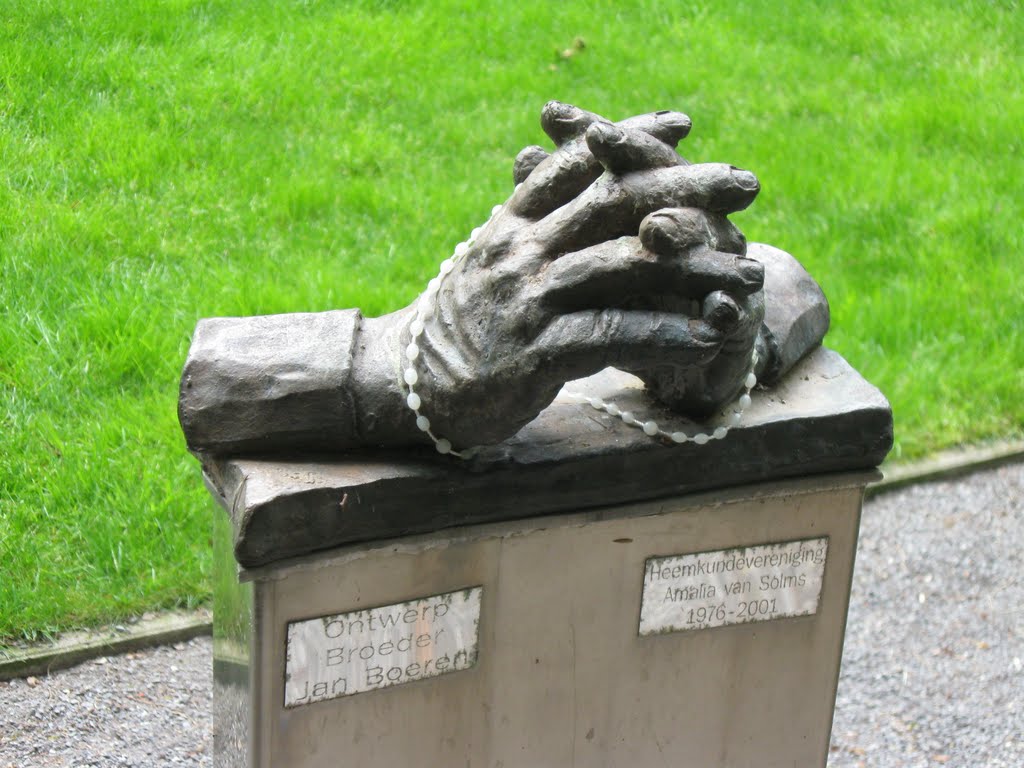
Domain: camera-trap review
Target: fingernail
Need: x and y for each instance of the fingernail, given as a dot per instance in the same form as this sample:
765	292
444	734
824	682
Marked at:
526	161
653	236
750	270
558	109
677	121
656	233
606	133
745	179
532	152
671	233
721	311
562	117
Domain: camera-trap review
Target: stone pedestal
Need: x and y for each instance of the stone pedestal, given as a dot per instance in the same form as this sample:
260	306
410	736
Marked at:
579	596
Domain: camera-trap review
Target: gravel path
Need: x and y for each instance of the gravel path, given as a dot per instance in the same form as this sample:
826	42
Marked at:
143	709
933	672
933	669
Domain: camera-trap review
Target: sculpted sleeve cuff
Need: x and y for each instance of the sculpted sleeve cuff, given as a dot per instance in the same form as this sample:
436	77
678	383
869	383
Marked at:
270	384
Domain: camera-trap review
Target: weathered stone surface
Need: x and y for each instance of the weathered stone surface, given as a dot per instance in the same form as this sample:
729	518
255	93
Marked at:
280	380
822	417
796	318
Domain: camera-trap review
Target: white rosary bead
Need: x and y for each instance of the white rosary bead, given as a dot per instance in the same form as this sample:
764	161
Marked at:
425	310
495	209
652	429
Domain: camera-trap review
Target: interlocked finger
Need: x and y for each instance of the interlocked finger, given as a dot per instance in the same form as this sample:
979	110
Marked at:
722	312
587	144
528	159
620	150
555	180
564	122
667	126
671	231
614	206
624	273
581	343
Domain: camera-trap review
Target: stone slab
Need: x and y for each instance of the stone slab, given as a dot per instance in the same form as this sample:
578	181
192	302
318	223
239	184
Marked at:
823	417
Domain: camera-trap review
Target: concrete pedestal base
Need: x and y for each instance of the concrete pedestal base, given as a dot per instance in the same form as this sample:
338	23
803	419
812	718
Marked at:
580	595
561	676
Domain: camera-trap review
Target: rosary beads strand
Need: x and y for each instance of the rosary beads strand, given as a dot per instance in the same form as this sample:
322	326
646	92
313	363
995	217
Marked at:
425	309
652	429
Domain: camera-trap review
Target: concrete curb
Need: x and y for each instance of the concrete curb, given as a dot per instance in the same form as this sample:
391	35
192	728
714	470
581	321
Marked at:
75	647
947	465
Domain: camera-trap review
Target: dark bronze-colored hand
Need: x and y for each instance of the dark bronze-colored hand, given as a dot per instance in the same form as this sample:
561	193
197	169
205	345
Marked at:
703	244
611	251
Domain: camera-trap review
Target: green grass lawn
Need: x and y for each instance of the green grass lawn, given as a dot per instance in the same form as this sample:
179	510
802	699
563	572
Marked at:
166	161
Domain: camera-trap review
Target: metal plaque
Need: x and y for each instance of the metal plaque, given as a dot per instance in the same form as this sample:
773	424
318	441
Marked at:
732	586
348	653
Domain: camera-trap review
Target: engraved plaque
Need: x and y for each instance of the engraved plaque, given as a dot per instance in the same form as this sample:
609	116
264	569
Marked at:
732	586
332	656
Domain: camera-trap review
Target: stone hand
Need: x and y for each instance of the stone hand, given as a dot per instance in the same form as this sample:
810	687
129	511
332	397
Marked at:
589	145
558	285
613	250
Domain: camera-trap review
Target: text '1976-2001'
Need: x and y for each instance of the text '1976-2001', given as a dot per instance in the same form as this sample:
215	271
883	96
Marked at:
732	586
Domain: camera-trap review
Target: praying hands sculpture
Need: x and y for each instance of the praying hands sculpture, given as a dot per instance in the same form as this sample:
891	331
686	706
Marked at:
612	251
